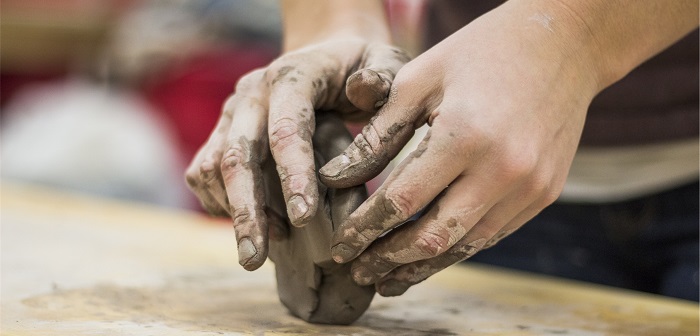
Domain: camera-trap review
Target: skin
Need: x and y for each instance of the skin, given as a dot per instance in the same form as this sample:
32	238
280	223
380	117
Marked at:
506	99
272	110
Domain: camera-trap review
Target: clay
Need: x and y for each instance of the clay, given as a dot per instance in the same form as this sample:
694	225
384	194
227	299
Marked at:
309	283
367	90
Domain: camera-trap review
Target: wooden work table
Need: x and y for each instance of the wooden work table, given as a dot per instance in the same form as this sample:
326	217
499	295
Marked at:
75	265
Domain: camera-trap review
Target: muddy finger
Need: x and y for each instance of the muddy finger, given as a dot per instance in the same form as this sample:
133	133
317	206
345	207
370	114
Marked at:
290	128
368	88
245	151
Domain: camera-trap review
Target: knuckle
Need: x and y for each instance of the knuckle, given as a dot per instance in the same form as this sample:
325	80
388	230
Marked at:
363	143
207	171
517	166
399	205
192	177
249	80
540	190
431	244
377	263
297	177
235	155
470	141
466	250
534	189
283	133
229	104
550	196
281	69
240	214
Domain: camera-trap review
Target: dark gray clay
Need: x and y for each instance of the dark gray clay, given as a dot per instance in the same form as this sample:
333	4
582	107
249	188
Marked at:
309	283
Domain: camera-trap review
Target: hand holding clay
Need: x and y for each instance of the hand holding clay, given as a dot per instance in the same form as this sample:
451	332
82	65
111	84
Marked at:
309	283
275	106
506	100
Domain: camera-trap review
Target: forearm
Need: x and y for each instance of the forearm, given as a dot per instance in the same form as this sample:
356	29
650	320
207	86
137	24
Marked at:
619	35
309	21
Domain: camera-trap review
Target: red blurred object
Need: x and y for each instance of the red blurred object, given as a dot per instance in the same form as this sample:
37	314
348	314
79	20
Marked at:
191	95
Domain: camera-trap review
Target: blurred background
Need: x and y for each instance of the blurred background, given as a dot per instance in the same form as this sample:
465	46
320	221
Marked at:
114	97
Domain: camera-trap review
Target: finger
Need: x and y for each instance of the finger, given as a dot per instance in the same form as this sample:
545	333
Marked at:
408	189
405	276
291	125
445	223
531	197
203	175
368	88
244	152
497	223
518	221
386	134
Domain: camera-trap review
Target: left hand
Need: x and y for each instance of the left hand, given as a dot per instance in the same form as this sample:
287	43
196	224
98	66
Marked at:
506	99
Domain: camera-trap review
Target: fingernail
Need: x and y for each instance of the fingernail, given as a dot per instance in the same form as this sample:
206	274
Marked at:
336	166
362	276
246	251
370	77
297	208
342	253
392	287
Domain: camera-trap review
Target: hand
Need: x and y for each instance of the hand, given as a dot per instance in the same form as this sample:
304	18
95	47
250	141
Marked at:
505	98
276	106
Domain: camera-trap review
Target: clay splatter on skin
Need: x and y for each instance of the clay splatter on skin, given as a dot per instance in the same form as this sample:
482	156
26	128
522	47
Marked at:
283	72
362	227
243	153
500	235
422	146
445	233
365	159
414	273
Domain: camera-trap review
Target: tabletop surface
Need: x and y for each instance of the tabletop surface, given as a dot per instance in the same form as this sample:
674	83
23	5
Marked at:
78	265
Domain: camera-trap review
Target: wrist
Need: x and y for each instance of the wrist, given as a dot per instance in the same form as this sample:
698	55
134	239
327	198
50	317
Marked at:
307	21
614	37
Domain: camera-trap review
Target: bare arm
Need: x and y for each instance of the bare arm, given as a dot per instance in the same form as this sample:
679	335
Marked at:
310	21
622	34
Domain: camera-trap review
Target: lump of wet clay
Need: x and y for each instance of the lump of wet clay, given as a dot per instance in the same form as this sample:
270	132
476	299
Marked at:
309	283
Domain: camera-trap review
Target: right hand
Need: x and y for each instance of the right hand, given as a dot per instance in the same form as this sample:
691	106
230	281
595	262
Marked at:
275	106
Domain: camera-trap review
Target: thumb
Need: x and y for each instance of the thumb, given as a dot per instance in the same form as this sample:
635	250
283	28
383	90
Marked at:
387	132
368	88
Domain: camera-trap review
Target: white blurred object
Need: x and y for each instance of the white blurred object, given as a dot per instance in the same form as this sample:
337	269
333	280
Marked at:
89	138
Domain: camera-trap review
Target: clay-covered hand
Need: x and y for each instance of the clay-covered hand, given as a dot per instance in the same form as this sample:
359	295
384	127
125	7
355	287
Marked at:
275	107
505	98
